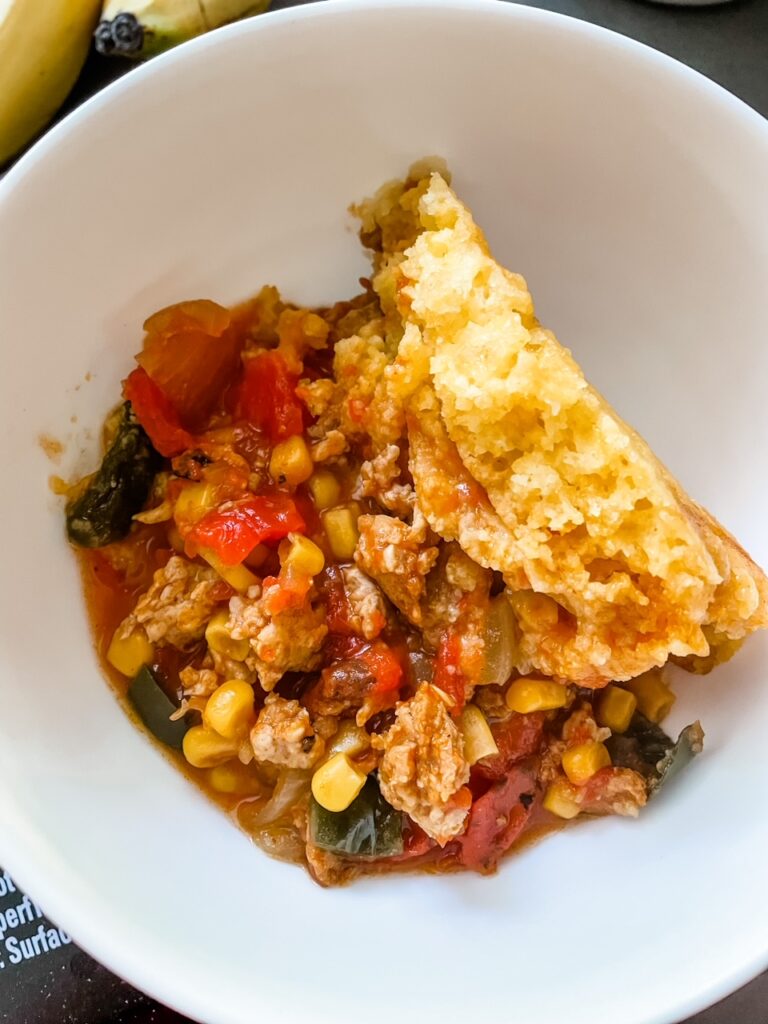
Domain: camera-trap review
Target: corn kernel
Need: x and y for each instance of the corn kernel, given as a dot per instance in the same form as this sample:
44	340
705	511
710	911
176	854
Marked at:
341	530
536	612
194	501
291	461
128	654
233	777
204	748
218	639
582	761
531	694
324	488
256	558
559	800
229	710
654	697
336	783
615	708
478	738
301	555
223	778
237	576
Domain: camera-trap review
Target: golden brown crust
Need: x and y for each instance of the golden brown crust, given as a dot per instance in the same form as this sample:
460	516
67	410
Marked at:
614	569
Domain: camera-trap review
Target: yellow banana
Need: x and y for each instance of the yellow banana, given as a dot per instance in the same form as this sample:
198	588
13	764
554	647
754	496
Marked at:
142	28
43	45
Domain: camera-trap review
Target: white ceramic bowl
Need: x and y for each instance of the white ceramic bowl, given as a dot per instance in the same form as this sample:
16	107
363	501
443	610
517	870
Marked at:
631	193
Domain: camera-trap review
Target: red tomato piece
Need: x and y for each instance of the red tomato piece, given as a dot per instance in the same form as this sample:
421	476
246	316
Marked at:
192	315
416	845
611	788
192	353
267	397
337	608
334	594
382	666
385	668
416	842
233	532
380	660
496	820
339	647
308	511
156	413
518	737
284	592
448	675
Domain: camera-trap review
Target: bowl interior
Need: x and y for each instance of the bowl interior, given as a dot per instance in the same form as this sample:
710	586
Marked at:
630	192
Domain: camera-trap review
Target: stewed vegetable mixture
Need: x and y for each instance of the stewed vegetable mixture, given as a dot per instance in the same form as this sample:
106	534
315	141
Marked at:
364	653
268	595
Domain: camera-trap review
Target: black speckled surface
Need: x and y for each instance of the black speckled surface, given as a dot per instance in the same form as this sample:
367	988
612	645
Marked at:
728	43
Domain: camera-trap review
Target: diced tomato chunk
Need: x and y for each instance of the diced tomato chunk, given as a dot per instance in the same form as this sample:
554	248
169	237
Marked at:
233	532
191	352
308	511
267	398
283	592
381	661
338	613
496	820
385	668
416	841
448	675
416	844
517	737
156	413
334	594
612	790
339	647
373	667
192	315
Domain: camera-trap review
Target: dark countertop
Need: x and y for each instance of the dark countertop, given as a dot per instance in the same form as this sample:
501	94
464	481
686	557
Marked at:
726	42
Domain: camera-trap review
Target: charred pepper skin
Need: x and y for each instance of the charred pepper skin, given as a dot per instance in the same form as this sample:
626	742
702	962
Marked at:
103	513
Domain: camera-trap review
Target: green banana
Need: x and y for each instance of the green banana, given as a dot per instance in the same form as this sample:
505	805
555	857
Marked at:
43	46
143	28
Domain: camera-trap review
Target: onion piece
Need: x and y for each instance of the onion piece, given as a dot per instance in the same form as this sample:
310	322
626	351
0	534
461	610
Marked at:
500	643
281	841
292	787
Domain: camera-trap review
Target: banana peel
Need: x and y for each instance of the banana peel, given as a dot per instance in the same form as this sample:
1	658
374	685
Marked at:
143	28
43	46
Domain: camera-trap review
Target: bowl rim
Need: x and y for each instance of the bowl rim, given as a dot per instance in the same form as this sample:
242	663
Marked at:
320	8
66	899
